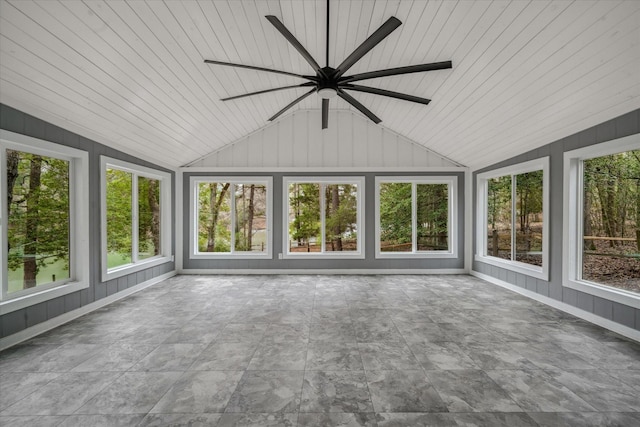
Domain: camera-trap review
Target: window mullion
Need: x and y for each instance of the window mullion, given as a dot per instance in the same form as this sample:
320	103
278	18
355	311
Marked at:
513	217
323	214
414	217
134	214
232	201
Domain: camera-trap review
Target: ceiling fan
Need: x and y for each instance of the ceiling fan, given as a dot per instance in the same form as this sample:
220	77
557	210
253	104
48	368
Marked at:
330	82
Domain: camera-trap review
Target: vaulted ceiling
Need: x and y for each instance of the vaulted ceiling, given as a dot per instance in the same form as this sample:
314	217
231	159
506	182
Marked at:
131	74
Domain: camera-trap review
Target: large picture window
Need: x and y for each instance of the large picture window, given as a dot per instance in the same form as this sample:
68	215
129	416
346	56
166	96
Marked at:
324	216
136	217
415	216
602	220
512	224
232	217
42	220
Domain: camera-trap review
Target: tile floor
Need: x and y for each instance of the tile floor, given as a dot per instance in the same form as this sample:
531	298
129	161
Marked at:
323	351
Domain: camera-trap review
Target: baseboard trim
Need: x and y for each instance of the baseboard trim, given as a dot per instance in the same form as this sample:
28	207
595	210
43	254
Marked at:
346	271
40	328
585	315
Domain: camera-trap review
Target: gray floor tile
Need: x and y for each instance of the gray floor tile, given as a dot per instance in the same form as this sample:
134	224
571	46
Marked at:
258	420
267	391
170	357
416	419
585	419
179	420
335	391
131	393
334	356
337	420
102	420
223	356
198	392
538	391
63	395
442	355
403	391
31	421
471	391
264	350
387	355
287	356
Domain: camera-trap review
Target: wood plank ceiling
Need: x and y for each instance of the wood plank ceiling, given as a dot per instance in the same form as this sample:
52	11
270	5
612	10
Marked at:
130	74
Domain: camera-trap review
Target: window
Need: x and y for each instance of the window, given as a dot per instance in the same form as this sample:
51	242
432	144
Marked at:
415	217
232	217
136	218
512	218
324	217
43	224
602	217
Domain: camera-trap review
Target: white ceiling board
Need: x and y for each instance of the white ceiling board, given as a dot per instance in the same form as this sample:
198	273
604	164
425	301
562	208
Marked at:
131	75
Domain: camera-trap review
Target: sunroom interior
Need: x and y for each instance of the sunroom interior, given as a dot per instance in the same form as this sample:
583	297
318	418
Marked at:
507	207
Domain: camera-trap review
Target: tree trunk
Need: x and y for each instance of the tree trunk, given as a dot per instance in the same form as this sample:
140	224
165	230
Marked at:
335	204
13	159
589	245
215	203
252	191
154	206
31	229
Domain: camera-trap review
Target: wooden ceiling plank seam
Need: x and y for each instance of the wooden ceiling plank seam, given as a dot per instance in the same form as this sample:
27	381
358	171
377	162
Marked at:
170	41
610	51
585	90
37	77
474	54
501	62
506	37
267	55
553	111
525	71
374	58
451	9
142	36
231	17
63	98
145	75
98	84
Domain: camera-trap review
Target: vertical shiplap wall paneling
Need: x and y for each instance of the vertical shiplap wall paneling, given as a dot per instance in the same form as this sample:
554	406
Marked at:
625	125
16	121
297	140
314	153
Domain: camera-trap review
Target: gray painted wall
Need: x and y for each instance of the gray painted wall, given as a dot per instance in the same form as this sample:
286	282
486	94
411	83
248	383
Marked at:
11	323
369	262
625	125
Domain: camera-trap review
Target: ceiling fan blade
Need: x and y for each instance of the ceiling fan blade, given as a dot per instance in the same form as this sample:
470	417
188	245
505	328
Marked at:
364	110
397	71
375	38
325	113
268	90
294	102
388	93
296	44
251	67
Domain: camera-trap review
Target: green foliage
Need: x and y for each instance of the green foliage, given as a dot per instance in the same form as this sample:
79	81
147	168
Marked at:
46	206
119	213
395	213
304	205
341	218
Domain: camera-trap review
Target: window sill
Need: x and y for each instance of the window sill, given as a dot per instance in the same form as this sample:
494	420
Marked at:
227	255
25	301
114	273
408	255
318	255
515	266
606	292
